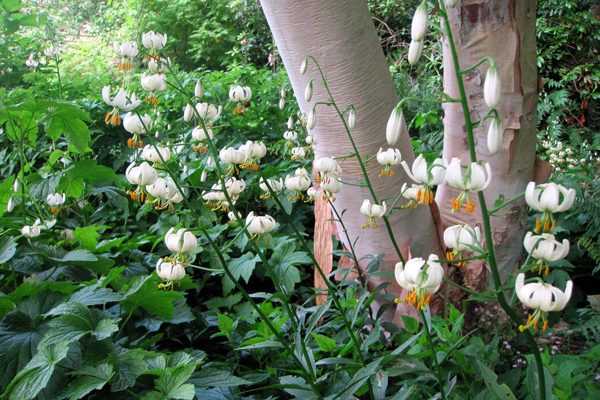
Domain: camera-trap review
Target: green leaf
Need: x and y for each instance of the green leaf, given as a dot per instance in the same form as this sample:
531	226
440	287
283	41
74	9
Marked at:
325	343
88	236
212	377
501	392
77	322
225	324
37	373
88	379
74	129
172	380
78	255
90	296
129	364
284	259
145	293
243	266
8	248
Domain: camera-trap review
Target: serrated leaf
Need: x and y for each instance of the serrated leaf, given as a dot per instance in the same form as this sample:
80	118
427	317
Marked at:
88	379
36	374
145	293
88	236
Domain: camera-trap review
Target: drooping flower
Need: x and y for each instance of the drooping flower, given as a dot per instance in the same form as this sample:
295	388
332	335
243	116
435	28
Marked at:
492	87
327	166
208	112
277	185
231	155
165	192
201	135
31	231
127	51
312	193
548	198
475	177
254	152
180	241
387	159
372	211
154	40
240	94
169	270
421	278
156	154
298	153
330	186
153	83
258	225
542	298
395	126
297	183
142	175
137	124
413	194
495	136
122	101
55	201
545	249
462	239
290	136
426	175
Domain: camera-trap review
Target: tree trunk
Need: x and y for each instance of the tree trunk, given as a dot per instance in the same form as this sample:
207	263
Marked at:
340	35
505	31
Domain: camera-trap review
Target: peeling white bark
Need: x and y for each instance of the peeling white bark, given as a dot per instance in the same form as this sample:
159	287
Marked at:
505	31
341	36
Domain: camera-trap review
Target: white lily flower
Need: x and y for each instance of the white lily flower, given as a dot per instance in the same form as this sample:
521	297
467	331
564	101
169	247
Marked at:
331	185
298	183
165	190
208	112
327	166
122	100
395	126
170	270
372	211
127	49
542	298
290	136
154	40
388	158
413	194
421	278
235	187
298	153
180	241
277	185
548	198
427	175
31	231
150	153
200	134
137	125
141	175
462	237
240	93
153	82
258	225
231	155
312	193
545	248
473	178
56	199
419	22
492	87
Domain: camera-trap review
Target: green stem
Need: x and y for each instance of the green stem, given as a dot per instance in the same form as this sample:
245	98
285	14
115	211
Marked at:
485	215
363	167
436	366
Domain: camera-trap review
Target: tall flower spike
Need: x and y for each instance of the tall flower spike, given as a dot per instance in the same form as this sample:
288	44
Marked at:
542	298
421	278
474	177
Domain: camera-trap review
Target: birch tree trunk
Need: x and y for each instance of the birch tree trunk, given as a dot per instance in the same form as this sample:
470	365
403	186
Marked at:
341	36
505	31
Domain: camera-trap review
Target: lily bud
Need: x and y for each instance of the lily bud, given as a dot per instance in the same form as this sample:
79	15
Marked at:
395	126
311	119
281	104
188	113
414	51
308	91
495	136
419	22
198	89
290	123
351	118
304	66
492	87
450	3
